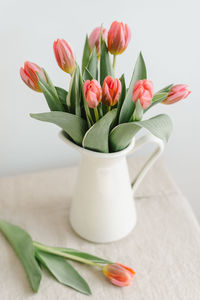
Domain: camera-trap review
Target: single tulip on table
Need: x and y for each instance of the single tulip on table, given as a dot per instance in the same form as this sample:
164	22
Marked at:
34	255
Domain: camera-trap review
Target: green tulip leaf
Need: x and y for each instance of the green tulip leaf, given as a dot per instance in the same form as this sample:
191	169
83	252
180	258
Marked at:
87	74
86	54
74	94
122	96
159	96
22	243
62	94
50	84
128	106
50	93
121	135
97	137
73	125
92	66
63	271
166	89
105	64
69	98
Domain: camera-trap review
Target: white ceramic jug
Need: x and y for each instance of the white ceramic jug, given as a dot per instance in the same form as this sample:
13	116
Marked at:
102	208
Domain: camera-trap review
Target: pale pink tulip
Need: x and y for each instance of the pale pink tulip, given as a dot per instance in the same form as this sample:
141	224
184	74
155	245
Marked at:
92	92
64	56
119	274
29	75
143	91
111	91
119	36
177	93
94	38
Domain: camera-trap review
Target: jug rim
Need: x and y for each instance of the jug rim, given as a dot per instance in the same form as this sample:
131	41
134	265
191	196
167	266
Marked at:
123	152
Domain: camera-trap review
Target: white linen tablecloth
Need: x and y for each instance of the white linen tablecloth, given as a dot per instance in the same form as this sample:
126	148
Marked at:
164	247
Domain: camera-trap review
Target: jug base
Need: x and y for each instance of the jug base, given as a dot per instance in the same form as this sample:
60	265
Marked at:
102	238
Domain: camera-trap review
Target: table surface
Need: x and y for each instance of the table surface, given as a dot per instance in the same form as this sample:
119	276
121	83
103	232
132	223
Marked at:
164	247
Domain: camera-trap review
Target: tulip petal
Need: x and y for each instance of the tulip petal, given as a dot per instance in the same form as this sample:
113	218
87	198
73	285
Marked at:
118	274
118	37
143	90
94	38
177	93
30	77
111	91
64	56
92	92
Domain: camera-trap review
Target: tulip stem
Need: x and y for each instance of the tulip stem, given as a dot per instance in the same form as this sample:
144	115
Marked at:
96	114
58	252
114	62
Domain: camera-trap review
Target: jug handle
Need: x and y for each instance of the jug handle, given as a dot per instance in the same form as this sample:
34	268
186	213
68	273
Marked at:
146	139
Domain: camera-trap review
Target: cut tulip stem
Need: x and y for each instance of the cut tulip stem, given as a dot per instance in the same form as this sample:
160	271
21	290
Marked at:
114	63
96	114
55	251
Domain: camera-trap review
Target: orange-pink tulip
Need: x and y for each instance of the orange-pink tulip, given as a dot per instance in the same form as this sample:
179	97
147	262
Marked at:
177	93
64	56
119	274
92	92
119	36
94	38
111	91
143	91
29	76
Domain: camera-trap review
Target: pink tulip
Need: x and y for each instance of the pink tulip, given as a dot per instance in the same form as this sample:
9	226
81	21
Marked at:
64	56
92	92
119	274
177	93
143	91
111	91
119	36
29	76
94	38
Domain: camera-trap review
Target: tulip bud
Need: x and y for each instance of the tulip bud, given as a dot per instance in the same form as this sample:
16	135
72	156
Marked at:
177	93
119	36
118	274
29	75
64	56
92	92
143	91
111	91
94	39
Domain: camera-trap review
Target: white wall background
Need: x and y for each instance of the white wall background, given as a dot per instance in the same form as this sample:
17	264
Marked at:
167	32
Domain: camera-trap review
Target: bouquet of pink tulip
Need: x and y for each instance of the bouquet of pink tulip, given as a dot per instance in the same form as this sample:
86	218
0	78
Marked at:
102	116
